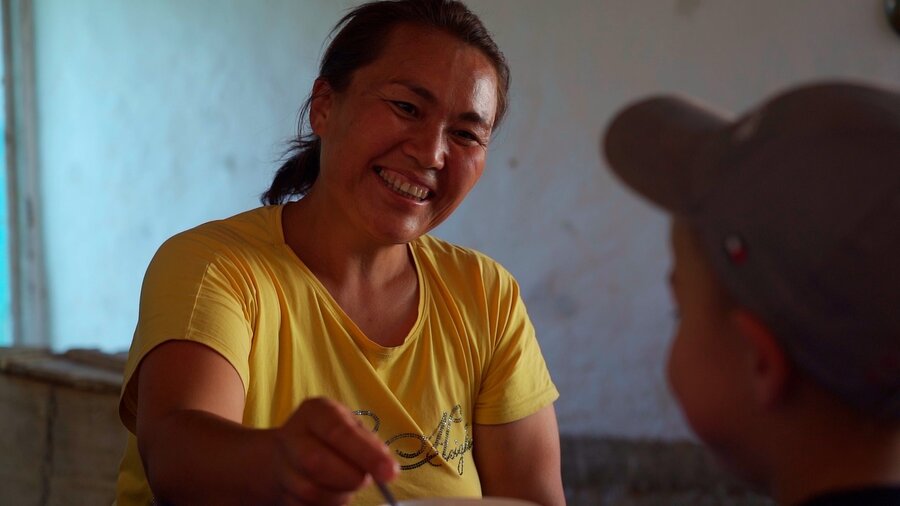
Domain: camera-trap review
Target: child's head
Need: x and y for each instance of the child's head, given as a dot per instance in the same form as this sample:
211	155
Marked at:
786	243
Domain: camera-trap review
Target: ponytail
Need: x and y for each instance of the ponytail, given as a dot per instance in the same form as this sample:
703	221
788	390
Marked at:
298	173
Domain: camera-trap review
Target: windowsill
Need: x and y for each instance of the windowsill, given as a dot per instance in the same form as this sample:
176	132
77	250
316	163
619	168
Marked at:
89	370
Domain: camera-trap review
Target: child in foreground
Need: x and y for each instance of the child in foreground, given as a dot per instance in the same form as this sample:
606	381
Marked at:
786	242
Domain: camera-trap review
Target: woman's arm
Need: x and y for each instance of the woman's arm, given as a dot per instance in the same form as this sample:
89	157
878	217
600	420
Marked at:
521	459
195	450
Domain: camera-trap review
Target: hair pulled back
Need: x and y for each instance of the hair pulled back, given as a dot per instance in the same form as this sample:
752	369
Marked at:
361	36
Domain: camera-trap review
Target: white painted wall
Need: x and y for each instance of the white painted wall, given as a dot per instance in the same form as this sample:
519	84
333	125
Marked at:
155	116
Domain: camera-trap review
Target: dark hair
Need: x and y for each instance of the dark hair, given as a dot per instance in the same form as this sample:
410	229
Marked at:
361	36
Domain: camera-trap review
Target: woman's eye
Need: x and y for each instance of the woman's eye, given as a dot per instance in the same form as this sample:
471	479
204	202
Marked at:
406	107
468	136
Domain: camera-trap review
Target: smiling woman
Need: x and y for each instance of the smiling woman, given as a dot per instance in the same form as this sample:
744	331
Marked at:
297	352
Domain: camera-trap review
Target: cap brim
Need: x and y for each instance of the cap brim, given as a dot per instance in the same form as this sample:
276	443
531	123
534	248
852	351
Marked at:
650	145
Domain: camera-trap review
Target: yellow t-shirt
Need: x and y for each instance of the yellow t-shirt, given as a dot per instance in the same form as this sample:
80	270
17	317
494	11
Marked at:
471	357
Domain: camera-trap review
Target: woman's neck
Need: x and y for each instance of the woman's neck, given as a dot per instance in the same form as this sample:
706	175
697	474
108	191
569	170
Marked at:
336	253
375	285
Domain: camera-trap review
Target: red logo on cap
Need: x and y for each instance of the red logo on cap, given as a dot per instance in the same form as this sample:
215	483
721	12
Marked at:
735	249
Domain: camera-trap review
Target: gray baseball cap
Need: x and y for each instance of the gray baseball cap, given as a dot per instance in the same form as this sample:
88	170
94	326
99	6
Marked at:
797	205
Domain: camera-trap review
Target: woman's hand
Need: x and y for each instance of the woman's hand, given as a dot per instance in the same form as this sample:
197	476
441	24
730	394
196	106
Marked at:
328	455
195	450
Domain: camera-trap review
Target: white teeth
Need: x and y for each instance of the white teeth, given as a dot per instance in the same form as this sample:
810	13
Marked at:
403	187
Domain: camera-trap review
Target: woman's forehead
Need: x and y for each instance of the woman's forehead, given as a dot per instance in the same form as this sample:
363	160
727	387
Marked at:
435	61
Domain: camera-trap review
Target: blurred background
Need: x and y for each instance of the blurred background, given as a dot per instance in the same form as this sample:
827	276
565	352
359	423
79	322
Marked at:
127	122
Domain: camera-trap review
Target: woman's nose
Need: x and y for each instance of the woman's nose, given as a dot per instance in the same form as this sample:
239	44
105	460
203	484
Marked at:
427	144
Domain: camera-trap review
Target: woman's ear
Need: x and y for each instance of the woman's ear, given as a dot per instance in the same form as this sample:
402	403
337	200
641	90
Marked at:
770	367
320	106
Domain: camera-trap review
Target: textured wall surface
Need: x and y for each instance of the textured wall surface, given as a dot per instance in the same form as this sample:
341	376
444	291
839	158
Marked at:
60	436
156	116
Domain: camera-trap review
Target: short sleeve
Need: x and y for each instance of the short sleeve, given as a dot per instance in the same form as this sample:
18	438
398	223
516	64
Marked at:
516	381
193	290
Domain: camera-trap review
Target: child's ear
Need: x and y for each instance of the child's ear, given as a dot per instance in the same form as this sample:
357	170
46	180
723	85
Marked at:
320	106
769	365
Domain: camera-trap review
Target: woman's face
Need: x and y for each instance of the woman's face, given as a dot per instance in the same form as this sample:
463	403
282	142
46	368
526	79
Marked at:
407	139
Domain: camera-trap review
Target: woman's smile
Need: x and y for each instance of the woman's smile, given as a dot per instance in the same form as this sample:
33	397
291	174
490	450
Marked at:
402	186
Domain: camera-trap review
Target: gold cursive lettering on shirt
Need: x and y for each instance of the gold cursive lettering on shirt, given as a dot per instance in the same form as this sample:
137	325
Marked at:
430	449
